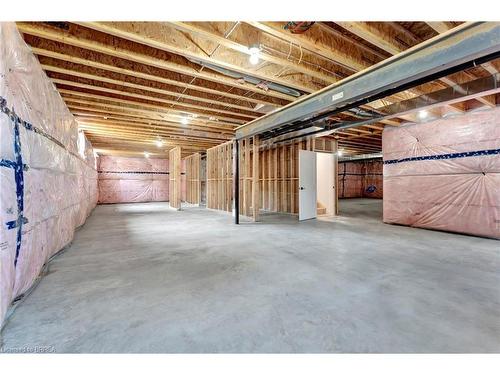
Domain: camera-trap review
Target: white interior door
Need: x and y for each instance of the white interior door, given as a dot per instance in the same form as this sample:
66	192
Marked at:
307	185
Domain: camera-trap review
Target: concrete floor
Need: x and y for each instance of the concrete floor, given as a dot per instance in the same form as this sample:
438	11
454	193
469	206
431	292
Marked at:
143	278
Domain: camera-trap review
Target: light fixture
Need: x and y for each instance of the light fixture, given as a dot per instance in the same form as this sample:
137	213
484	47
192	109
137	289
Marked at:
340	152
184	120
254	52
146	154
422	114
254	59
159	142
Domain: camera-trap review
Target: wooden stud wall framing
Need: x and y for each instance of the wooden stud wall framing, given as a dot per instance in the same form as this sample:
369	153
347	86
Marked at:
279	173
174	191
277	168
220	177
193	179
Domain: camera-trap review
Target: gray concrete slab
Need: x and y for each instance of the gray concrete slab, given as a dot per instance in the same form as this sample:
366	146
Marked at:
143	278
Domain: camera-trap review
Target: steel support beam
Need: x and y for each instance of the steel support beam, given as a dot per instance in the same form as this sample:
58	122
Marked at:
465	91
463	47
450	95
236	181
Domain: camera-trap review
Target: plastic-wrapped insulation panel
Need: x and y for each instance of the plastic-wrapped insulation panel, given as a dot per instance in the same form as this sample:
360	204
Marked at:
126	180
134	180
48	176
445	174
360	179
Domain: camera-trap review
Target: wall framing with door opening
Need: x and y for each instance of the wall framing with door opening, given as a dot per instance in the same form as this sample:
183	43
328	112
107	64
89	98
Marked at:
275	190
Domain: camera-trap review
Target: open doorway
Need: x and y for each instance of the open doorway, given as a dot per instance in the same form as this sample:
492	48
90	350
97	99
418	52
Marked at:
360	188
317	191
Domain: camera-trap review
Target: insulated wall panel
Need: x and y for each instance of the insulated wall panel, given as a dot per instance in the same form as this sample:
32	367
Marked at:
47	172
445	174
128	180
360	179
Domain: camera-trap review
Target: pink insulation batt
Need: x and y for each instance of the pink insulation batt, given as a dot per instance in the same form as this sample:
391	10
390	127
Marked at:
59	180
125	180
445	174
128	180
360	179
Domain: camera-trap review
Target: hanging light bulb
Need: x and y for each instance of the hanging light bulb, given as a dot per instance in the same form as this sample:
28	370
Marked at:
254	59
254	54
146	154
184	120
159	141
422	114
340	152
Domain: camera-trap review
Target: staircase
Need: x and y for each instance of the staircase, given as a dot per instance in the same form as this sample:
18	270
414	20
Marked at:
320	209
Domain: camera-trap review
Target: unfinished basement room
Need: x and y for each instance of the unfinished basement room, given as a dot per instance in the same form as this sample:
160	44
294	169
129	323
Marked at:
250	186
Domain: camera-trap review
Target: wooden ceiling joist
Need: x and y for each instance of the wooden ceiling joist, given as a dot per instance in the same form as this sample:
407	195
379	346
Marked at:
146	123
105	108
74	73
191	28
158	108
163	37
149	137
83	111
222	92
161	131
173	104
372	35
439	27
127	54
314	43
119	117
112	137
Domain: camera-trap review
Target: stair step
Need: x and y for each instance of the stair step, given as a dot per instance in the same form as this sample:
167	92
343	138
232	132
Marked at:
321	211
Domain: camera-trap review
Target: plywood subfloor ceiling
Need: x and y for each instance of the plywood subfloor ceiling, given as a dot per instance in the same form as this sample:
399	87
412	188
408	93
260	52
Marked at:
134	86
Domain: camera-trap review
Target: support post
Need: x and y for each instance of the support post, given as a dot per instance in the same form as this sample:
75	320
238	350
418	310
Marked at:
255	179
335	149
236	181
174	190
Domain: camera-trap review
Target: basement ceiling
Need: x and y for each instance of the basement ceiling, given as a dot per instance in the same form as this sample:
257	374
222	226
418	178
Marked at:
135	85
